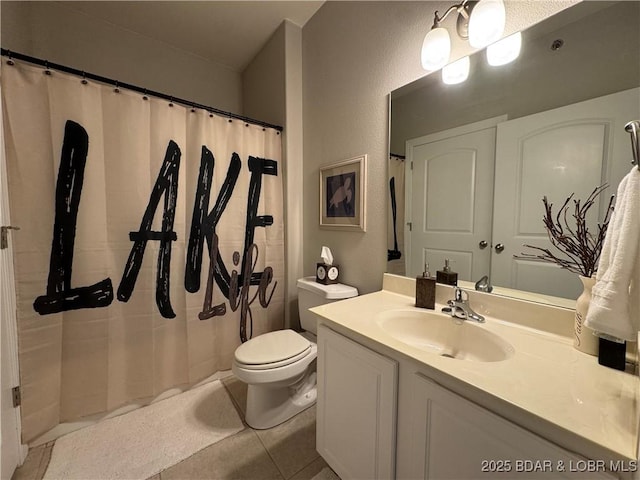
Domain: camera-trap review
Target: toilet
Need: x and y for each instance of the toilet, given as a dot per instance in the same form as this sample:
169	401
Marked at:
279	367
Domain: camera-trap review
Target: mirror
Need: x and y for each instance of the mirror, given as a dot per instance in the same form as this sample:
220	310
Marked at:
486	151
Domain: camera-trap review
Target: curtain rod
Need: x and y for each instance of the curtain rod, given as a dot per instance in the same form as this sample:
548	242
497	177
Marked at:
91	76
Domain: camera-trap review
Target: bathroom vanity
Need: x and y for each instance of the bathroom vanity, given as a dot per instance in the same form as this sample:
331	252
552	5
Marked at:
411	393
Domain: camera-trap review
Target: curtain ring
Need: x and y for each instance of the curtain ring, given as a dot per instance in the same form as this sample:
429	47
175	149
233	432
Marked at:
171	102
210	114
84	79
10	60
193	109
117	89
46	66
144	95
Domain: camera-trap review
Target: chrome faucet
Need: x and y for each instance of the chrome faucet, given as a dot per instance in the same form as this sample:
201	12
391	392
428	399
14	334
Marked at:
483	285
459	307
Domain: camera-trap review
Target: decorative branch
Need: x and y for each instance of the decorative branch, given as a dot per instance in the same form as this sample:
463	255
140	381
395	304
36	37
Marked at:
580	246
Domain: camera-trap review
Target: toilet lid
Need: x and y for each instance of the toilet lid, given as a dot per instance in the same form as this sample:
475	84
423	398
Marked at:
272	347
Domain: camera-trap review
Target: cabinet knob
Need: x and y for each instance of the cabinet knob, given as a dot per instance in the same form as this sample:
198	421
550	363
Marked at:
483	244
499	248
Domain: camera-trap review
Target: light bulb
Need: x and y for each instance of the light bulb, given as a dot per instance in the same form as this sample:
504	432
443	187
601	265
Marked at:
436	48
486	23
504	51
456	72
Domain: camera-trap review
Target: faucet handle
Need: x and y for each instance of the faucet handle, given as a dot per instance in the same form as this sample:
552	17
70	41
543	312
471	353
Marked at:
460	295
483	284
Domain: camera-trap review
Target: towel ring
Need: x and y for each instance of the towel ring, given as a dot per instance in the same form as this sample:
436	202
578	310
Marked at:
633	127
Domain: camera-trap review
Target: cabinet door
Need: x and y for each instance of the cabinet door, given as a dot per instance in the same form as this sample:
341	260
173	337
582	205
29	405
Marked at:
456	439
356	408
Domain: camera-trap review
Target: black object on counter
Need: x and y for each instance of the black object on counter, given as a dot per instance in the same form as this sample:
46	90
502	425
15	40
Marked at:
612	354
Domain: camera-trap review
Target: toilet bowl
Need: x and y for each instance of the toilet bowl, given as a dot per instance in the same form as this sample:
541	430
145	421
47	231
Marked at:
279	367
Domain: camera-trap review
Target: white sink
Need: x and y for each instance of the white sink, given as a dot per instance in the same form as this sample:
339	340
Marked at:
442	335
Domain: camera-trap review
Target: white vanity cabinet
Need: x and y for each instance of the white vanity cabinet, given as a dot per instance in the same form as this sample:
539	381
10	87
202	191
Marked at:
447	436
381	416
356	411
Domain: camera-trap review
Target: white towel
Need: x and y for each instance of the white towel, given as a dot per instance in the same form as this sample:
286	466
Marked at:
615	301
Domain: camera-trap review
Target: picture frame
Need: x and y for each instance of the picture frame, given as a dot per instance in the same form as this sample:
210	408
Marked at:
343	195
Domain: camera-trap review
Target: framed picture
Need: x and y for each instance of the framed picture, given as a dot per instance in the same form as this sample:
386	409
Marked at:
342	195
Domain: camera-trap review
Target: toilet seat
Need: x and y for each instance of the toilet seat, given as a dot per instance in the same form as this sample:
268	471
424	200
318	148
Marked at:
272	350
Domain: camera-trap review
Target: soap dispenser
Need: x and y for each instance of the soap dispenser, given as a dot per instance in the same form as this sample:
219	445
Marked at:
446	276
426	290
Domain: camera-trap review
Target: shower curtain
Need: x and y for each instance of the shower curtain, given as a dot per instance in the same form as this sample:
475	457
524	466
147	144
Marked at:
395	263
151	242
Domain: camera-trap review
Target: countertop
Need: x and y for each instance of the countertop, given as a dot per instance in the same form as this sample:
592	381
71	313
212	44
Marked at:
546	376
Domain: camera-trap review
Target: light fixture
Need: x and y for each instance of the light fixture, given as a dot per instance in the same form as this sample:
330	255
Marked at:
456	72
436	49
436	46
482	22
486	23
505	50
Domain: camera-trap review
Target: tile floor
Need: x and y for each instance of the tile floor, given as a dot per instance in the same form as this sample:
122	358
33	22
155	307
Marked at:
285	452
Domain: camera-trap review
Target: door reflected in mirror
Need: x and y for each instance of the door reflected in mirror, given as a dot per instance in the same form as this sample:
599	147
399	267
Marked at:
470	163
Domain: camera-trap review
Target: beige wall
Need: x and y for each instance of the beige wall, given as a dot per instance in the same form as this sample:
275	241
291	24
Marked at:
263	86
272	91
63	35
293	153
14	30
354	54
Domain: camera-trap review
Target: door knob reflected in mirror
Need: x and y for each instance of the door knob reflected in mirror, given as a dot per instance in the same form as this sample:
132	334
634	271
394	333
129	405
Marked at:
483	244
499	248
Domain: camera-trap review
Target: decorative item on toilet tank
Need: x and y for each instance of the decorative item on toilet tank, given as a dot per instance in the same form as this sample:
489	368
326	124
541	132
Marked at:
326	271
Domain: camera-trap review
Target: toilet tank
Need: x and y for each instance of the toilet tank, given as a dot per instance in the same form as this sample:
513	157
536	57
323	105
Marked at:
311	294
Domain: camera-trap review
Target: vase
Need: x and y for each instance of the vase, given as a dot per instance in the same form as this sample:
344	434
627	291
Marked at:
584	339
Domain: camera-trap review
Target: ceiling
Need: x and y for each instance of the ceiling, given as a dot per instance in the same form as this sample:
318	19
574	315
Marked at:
227	32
